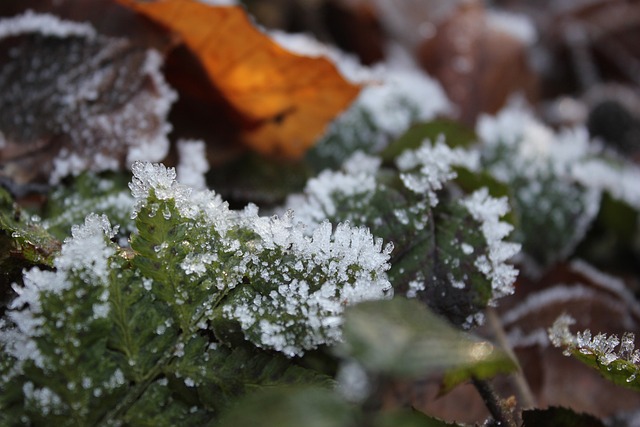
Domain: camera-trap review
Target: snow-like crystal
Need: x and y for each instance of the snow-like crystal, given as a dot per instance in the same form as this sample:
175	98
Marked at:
488	210
84	256
193	163
357	178
434	164
332	269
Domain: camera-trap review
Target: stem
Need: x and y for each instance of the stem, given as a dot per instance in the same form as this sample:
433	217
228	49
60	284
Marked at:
527	400
498	409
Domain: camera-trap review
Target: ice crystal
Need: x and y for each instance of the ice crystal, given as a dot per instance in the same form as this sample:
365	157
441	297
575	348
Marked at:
601	346
488	210
299	284
319	200
426	169
84	256
193	163
540	166
78	100
391	100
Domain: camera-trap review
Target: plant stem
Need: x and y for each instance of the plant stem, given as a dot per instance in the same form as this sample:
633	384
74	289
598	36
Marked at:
527	400
496	406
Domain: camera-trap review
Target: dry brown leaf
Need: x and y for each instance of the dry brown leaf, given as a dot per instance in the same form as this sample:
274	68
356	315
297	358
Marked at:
285	100
479	66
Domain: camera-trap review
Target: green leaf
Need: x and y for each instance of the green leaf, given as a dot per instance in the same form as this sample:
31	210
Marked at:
221	375
158	406
402	338
455	133
442	254
23	241
105	193
258	179
558	417
291	407
408	418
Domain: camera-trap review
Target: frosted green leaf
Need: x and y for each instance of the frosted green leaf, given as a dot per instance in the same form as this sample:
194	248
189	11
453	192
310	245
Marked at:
382	112
24	243
614	357
107	194
449	253
557	180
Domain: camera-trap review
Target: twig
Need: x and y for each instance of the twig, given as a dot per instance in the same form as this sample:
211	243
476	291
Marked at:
498	409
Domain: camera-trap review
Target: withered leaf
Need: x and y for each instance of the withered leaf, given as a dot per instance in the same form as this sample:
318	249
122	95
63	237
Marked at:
74	100
285	100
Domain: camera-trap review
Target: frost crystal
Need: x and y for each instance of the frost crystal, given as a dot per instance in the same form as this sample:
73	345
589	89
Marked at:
601	346
84	256
75	100
193	163
434	165
319	199
488	211
352	267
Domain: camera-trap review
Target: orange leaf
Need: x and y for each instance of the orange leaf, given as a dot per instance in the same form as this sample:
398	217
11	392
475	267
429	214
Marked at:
286	99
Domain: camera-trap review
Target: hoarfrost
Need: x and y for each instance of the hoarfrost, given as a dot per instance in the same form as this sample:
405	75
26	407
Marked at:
75	100
85	255
352	265
434	164
603	347
193	163
318	201
488	210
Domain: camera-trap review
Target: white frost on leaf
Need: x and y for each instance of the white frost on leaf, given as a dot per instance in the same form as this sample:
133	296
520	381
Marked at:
295	286
318	200
327	272
601	346
85	256
533	147
488	210
425	170
45	24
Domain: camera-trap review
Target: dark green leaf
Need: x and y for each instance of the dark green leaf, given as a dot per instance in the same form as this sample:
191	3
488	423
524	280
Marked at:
291	407
408	418
558	417
454	133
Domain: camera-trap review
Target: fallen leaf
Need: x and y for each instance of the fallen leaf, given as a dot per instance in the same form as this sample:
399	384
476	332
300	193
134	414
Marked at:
479	64
285	100
74	100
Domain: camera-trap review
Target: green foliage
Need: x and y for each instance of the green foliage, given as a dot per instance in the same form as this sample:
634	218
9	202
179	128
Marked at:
22	237
449	252
133	334
292	407
106	193
456	134
401	338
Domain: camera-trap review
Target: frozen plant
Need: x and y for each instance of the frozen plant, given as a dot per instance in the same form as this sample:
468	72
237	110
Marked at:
450	252
196	295
615	358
